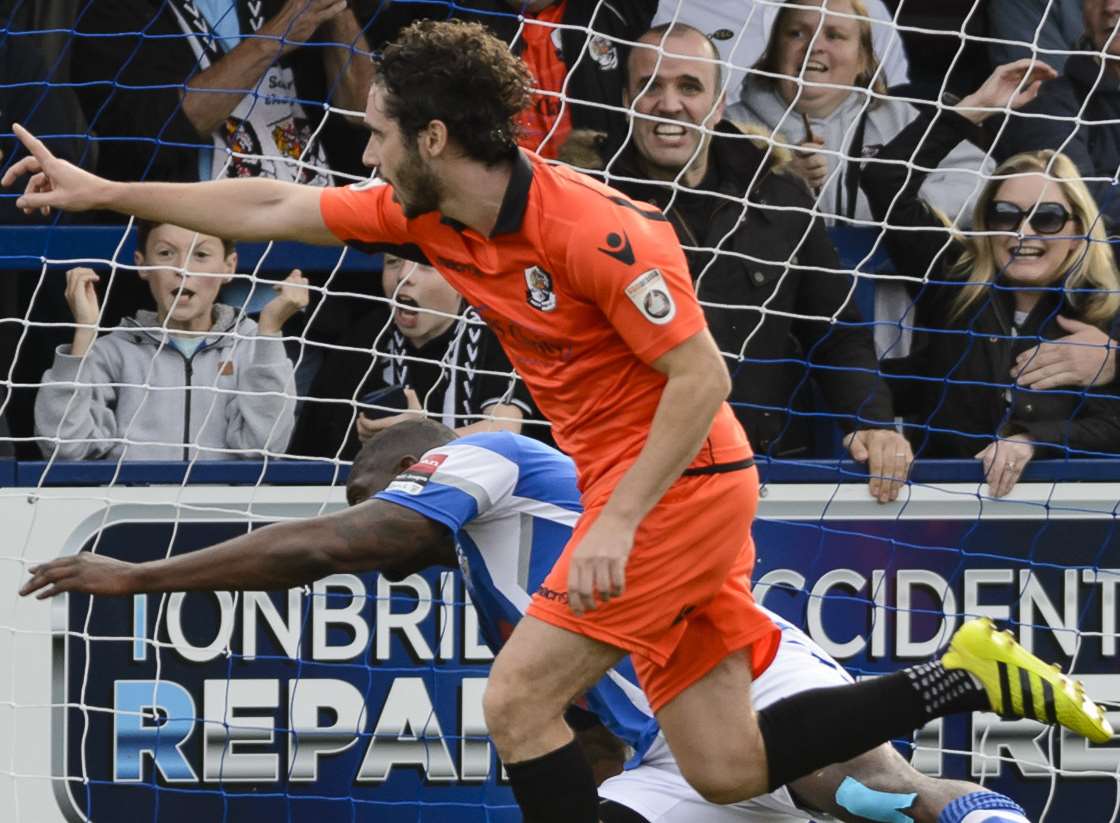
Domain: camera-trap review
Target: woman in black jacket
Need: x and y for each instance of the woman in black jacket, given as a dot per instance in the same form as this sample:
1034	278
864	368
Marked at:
1037	251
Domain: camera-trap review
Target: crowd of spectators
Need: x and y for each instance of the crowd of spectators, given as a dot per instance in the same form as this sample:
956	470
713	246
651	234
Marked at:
843	111
762	130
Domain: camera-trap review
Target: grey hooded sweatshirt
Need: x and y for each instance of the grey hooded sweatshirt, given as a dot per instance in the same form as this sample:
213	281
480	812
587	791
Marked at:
952	188
137	397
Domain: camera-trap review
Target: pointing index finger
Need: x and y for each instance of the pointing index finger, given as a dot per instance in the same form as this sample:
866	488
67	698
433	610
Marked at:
32	143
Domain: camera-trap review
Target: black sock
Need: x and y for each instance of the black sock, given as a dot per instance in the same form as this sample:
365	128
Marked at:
819	727
556	788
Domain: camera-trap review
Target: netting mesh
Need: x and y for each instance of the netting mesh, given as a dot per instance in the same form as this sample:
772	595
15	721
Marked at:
823	201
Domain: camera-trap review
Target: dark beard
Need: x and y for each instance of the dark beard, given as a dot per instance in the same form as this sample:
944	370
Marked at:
423	187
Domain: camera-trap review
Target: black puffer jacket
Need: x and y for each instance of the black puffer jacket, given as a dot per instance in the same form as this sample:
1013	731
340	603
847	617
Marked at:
595	63
778	315
956	385
1087	103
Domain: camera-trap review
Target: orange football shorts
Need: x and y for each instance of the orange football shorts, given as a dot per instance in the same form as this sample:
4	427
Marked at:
687	602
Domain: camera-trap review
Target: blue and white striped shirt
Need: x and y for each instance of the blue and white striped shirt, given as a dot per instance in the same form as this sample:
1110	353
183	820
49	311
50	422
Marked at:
511	503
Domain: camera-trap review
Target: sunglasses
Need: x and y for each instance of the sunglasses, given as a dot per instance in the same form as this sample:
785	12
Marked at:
1045	218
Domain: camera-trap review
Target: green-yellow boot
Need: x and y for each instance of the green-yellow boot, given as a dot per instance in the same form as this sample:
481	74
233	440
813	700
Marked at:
1018	684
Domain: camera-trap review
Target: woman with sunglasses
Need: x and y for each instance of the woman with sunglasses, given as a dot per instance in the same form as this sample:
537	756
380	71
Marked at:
1037	253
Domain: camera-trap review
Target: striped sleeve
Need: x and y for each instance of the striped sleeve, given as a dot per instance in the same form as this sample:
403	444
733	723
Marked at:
454	484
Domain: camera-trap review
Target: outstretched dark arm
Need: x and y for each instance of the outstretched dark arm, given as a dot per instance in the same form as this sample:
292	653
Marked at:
368	537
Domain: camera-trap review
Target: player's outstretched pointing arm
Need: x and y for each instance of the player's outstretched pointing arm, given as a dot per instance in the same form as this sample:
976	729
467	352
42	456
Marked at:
372	536
237	209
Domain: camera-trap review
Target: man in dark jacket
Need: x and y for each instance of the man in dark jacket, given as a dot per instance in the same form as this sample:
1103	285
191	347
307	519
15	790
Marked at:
1078	112
774	294
572	47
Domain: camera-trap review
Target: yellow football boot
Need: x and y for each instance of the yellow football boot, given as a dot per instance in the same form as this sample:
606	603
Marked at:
1018	684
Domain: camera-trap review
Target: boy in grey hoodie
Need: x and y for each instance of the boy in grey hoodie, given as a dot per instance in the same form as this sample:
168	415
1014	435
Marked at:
189	380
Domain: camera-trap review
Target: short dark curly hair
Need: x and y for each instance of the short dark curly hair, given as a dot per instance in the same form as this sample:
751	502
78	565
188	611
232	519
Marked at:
461	74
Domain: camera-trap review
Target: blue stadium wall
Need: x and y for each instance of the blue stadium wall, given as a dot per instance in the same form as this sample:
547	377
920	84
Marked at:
357	699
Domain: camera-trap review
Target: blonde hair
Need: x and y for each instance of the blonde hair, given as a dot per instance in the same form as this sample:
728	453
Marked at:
870	78
1093	267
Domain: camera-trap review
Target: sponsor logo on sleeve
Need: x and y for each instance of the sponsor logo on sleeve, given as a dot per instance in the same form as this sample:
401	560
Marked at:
413	479
538	289
618	247
650	294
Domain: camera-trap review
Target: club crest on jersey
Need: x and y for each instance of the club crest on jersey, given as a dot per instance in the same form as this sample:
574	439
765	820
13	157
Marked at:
650	294
538	289
603	52
413	479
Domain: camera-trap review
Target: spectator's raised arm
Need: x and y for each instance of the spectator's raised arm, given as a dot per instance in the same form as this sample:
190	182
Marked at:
180	92
893	180
213	93
75	404
349	70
